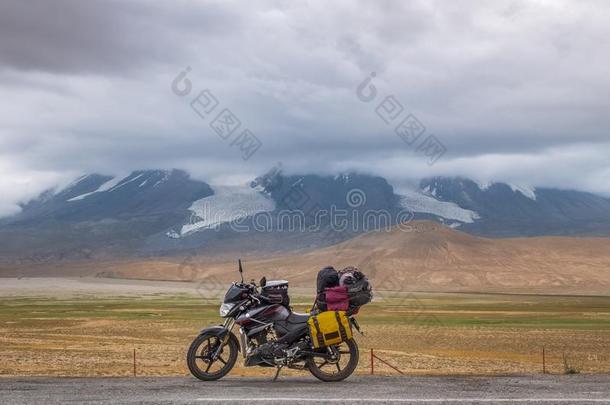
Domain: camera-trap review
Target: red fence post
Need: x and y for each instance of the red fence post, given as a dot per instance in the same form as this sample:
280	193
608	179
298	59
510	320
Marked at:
384	362
372	363
134	362
543	362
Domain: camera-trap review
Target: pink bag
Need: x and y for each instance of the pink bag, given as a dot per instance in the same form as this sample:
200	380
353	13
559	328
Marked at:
337	298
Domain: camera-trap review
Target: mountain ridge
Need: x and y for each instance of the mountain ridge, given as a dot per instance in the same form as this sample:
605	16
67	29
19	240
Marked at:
166	212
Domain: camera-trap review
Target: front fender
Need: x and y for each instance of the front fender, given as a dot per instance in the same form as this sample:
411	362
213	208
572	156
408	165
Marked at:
217	330
221	332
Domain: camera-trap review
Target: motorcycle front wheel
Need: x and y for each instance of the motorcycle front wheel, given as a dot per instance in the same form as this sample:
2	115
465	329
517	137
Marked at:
201	358
339	368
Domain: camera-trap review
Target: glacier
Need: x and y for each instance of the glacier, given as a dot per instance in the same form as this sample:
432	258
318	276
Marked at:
227	204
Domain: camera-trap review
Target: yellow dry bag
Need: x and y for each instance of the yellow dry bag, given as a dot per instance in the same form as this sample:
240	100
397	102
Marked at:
329	328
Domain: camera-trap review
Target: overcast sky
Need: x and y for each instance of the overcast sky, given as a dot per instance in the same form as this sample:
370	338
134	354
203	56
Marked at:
516	91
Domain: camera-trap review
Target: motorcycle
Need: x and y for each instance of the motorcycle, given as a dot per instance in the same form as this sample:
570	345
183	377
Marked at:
270	335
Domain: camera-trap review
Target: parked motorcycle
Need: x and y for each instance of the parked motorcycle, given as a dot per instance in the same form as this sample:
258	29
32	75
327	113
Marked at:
270	335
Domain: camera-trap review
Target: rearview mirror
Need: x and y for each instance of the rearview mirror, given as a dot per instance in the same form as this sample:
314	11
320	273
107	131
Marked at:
241	270
263	282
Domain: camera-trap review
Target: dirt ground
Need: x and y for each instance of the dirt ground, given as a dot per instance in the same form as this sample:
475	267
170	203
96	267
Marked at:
93	333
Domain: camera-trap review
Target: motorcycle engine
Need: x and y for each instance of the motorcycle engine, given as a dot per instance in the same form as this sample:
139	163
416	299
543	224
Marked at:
272	350
268	350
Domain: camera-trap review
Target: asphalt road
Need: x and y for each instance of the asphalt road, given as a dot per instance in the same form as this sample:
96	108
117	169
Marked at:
536	389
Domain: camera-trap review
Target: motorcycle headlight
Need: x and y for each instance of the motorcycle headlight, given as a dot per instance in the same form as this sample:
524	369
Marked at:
225	309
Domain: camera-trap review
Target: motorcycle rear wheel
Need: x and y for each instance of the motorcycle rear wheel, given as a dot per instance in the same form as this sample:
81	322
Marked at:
331	371
200	356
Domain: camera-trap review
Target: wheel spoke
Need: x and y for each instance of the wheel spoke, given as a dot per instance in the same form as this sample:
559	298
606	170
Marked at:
212	357
338	368
344	351
323	364
205	348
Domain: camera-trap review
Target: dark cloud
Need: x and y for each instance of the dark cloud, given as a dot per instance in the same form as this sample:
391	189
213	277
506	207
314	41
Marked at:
516	91
107	36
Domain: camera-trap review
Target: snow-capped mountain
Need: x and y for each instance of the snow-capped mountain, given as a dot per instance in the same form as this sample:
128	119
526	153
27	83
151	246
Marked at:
519	210
99	197
100	215
160	212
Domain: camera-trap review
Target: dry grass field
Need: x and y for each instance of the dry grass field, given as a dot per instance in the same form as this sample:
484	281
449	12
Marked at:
421	333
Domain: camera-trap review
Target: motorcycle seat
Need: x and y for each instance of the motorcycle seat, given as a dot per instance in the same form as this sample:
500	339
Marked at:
296	317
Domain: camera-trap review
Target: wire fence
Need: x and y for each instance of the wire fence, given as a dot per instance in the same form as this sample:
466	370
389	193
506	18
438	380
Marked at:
144	361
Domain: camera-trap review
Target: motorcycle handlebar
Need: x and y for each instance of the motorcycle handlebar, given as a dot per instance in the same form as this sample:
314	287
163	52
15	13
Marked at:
263	297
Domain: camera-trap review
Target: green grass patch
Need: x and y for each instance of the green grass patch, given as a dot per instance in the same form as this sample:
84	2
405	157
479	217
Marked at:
438	310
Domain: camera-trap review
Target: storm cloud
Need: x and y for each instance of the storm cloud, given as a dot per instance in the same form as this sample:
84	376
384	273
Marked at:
514	90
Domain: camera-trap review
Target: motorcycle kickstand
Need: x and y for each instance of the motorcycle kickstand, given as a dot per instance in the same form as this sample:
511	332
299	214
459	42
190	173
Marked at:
277	373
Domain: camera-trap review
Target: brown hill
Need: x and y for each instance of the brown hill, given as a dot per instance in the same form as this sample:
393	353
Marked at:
432	257
424	256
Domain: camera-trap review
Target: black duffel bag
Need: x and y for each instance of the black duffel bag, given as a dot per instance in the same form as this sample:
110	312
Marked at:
360	293
358	286
327	278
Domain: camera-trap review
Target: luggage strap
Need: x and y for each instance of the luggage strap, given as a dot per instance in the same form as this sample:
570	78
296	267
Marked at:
341	327
317	301
318	332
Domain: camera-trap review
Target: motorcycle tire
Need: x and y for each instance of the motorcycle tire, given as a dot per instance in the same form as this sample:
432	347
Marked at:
198	354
